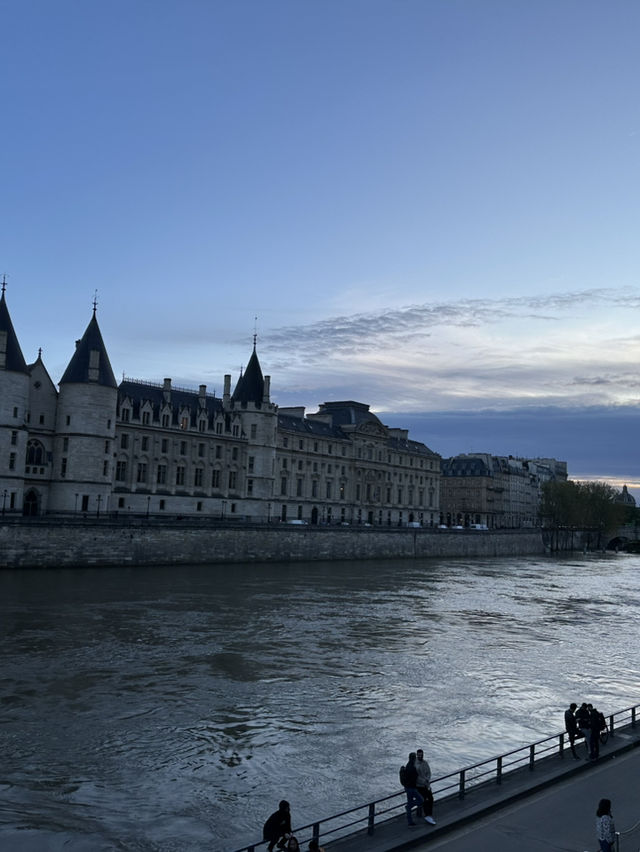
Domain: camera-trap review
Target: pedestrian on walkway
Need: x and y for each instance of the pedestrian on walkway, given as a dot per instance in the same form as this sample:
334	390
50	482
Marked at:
594	734
409	780
424	788
582	718
605	828
278	827
571	727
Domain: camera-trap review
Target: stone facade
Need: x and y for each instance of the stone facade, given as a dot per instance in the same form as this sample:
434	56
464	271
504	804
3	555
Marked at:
139	448
495	491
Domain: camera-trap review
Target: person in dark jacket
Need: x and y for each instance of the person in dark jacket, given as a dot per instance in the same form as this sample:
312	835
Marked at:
571	727
278	827
594	734
582	718
410	786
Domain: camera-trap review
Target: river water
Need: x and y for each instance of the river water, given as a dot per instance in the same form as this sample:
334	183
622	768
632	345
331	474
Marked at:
171	708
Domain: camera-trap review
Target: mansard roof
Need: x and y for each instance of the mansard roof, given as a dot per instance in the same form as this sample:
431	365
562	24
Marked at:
469	466
349	413
310	426
14	360
80	369
250	387
139	393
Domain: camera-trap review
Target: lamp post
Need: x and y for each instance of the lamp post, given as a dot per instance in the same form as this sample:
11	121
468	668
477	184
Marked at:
224	505
75	509
98	509
268	513
4	499
148	504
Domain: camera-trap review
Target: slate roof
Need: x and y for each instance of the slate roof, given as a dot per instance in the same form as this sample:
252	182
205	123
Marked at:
250	387
349	413
78	369
313	427
181	400
465	467
15	359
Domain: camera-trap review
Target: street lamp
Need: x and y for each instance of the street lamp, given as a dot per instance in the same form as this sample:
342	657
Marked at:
148	504
75	510
98	509
4	499
224	505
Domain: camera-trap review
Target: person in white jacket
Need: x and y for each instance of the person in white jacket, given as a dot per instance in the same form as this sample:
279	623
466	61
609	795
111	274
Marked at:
605	829
424	786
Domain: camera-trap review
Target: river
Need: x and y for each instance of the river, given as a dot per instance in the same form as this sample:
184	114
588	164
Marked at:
172	708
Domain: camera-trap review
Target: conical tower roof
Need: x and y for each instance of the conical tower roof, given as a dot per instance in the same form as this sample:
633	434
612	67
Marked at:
250	387
14	359
90	362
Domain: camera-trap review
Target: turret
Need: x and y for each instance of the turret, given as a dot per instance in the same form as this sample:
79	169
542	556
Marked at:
85	428
259	422
14	401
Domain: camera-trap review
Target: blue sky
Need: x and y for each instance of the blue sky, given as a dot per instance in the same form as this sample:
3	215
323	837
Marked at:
431	207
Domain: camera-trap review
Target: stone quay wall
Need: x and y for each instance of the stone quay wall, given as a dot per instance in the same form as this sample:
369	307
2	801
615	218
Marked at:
47	544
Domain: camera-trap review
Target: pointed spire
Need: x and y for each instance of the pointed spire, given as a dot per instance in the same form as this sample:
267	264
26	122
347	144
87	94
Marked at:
11	357
90	362
250	387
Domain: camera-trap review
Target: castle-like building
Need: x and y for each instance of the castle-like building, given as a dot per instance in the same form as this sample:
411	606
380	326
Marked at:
94	447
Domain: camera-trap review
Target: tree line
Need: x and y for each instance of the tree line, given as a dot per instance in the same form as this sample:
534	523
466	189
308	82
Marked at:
584	505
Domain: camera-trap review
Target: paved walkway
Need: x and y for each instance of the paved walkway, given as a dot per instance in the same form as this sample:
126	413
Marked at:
551	808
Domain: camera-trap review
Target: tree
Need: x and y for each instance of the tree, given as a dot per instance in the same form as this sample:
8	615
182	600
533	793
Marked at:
581	505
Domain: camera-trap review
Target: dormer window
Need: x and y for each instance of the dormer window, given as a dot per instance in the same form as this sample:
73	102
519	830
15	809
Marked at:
125	413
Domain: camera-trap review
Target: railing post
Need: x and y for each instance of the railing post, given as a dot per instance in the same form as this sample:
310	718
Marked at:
316	831
562	745
611	724
461	784
633	717
372	817
532	756
499	771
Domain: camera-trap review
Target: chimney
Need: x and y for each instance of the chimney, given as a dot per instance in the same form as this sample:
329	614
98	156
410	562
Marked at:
166	390
226	396
267	389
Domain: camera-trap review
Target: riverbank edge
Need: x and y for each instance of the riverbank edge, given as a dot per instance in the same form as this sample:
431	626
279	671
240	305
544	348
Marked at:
65	543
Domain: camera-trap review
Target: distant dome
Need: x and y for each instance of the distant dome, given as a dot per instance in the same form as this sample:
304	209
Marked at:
625	497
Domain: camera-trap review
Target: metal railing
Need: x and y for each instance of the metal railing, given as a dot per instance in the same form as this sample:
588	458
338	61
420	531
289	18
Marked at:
456	784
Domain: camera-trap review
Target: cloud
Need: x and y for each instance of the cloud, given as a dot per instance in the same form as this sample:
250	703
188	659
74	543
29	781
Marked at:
577	348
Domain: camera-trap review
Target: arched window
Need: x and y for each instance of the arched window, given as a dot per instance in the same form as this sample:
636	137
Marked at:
35	452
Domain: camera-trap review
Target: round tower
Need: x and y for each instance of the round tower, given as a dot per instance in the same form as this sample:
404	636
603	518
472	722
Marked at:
14	403
85	429
251	398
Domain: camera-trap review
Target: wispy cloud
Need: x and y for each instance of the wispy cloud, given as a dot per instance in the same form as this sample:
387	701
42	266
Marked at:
575	347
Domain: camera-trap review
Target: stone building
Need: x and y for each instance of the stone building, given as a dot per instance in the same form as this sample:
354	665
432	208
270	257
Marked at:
96	447
496	491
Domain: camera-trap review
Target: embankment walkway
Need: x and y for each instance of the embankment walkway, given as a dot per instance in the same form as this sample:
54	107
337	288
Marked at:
550	808
538	797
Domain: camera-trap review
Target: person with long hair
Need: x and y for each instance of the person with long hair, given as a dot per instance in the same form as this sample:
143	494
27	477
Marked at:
605	828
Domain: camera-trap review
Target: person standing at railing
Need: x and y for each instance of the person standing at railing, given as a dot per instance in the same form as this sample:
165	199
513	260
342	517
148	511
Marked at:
582	718
594	734
424	788
571	727
605	828
278	827
409	780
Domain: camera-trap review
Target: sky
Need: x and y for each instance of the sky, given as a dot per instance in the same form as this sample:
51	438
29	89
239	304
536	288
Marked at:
430	206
